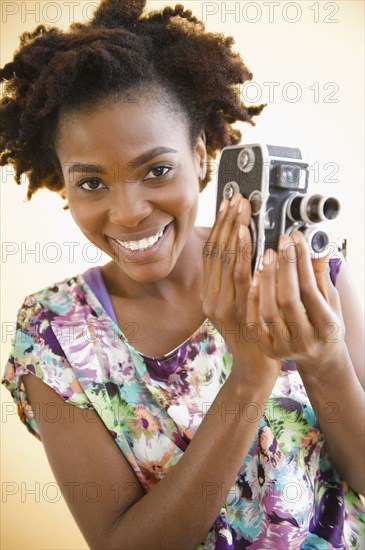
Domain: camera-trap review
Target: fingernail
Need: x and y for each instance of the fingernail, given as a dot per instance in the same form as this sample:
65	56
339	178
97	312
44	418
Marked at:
284	239
296	235
240	207
223	205
269	257
255	279
241	231
233	200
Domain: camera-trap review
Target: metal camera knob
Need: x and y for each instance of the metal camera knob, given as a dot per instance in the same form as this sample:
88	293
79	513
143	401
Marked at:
246	160
230	189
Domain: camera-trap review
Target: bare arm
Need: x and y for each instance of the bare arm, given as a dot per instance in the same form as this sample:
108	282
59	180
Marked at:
353	317
339	403
338	398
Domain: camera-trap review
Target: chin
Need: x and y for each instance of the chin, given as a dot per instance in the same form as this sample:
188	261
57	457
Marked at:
146	273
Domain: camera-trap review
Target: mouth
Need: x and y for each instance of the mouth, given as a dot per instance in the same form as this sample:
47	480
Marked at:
143	248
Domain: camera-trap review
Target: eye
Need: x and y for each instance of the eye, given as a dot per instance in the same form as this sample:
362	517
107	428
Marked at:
158	171
92	183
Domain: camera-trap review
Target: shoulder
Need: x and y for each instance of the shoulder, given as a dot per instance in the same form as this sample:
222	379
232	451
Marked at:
64	286
44	317
56	298
37	347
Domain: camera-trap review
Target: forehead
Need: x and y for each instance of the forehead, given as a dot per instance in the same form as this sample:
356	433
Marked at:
125	127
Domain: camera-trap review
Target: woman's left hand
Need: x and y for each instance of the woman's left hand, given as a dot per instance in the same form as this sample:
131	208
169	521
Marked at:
312	335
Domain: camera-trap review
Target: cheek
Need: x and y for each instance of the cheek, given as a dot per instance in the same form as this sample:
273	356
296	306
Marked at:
183	199
86	216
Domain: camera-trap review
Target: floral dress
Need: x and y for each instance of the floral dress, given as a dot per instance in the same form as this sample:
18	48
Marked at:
286	495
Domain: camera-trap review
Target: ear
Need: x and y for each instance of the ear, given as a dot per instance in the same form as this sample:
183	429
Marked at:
201	156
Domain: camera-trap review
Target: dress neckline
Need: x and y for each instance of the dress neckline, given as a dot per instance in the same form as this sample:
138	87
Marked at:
94	276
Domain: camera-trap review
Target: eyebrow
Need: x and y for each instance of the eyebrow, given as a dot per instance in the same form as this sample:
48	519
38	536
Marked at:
138	161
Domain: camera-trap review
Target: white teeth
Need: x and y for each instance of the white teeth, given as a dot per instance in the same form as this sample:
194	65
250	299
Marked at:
143	244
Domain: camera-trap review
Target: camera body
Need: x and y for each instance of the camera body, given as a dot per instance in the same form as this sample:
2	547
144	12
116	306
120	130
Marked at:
275	181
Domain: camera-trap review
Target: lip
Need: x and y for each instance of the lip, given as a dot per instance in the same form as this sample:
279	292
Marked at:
135	255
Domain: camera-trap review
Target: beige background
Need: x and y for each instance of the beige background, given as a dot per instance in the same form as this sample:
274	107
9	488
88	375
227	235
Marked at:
310	49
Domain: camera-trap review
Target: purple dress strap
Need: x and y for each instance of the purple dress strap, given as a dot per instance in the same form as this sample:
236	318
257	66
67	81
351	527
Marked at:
160	367
335	264
94	279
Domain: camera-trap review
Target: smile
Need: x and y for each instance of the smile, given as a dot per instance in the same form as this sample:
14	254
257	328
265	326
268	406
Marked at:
143	244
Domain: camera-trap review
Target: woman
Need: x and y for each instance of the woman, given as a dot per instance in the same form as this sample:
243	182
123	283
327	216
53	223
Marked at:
195	405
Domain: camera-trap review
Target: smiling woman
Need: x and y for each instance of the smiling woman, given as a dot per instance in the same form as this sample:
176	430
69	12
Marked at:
210	424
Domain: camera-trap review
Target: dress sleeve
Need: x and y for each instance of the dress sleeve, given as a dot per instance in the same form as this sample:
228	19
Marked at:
36	350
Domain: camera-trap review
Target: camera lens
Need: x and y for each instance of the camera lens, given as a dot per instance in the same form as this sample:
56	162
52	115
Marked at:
331	208
319	242
293	208
312	208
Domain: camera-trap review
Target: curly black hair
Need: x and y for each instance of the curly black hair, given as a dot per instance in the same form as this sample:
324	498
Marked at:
119	51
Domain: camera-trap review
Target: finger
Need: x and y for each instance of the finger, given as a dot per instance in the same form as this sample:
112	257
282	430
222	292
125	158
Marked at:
269	309
268	304
230	255
233	212
316	303
256	331
326	287
218	221
242	271
229	223
231	217
321	269
211	246
253	321
288	290
323	306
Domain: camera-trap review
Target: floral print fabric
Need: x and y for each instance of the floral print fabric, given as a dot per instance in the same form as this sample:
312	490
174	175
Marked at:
286	495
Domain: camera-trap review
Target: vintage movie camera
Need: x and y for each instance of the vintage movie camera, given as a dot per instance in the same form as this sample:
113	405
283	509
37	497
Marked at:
275	181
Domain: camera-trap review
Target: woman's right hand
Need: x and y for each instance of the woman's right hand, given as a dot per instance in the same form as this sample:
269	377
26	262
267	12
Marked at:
229	295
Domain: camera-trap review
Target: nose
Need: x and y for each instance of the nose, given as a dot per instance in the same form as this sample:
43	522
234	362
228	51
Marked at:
129	207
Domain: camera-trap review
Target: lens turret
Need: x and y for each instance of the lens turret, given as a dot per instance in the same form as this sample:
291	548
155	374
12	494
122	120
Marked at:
312	208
